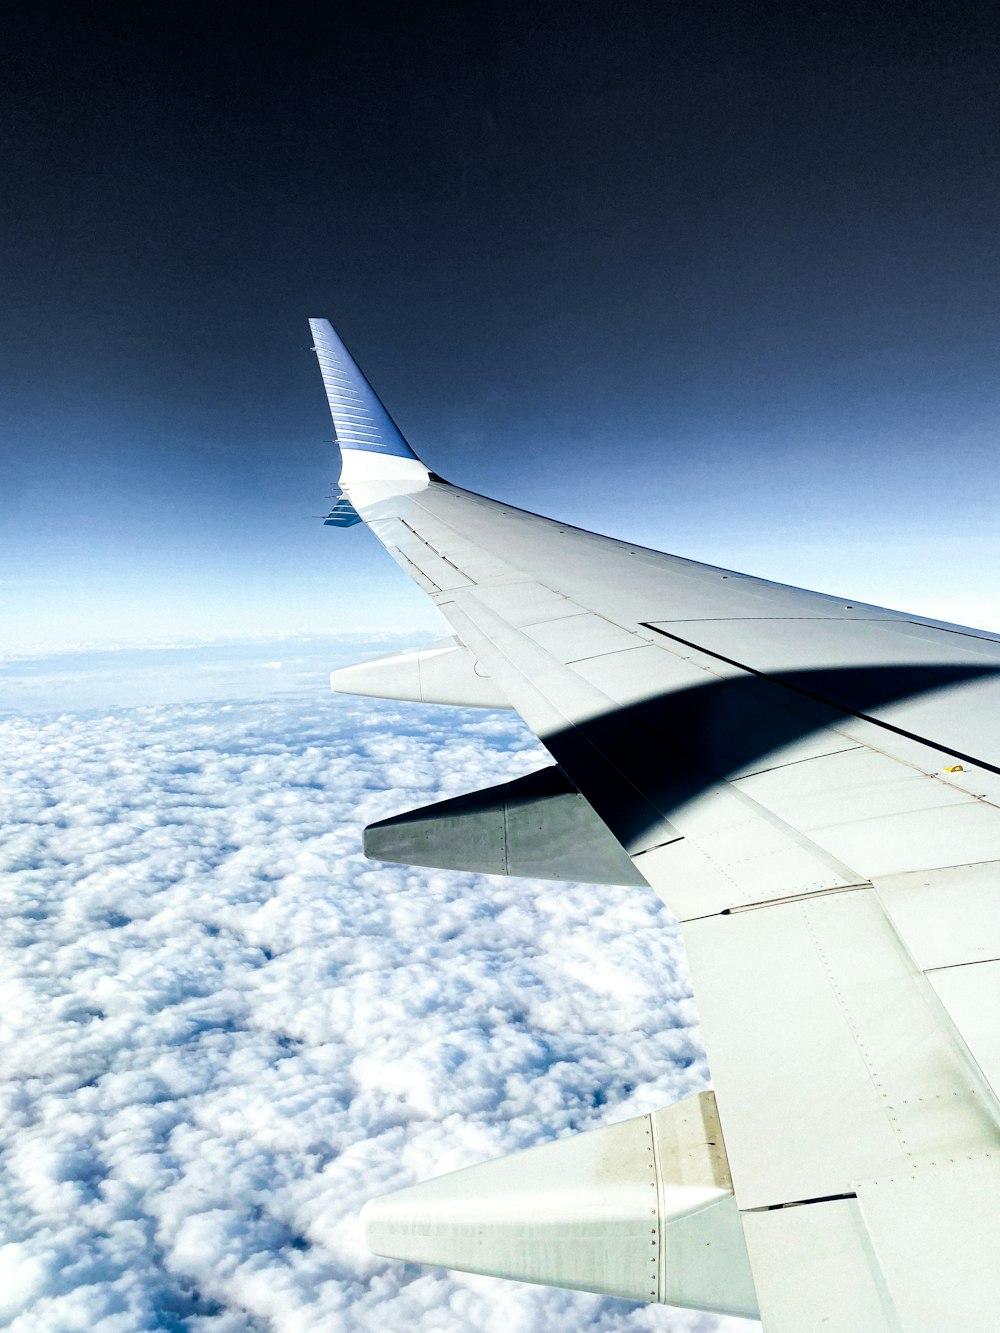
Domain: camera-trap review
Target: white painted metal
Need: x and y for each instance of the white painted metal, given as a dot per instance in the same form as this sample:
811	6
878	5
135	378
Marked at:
701	877
815	1271
573	638
552	698
946	917
816	745
746	853
763	856
877	815
625	583
685	880
828	1054
703	1256
936	1237
818	641
641	1209
400	537
413	571
626	676
368	473
957	716
971	995
936	760
550	690
850	787
580	1212
444	673
524	601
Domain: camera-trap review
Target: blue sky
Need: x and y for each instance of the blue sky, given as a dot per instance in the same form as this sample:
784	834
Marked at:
890	499
724	288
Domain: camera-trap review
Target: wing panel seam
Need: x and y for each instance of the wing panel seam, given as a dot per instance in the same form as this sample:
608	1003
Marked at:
822	699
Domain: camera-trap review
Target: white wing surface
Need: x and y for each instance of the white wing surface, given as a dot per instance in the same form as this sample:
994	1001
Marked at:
812	786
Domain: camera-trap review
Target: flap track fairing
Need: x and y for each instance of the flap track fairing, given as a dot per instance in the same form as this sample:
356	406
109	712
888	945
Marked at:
538	826
445	673
643	1209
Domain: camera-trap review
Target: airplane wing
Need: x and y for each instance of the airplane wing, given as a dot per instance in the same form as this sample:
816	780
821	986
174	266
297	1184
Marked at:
812	786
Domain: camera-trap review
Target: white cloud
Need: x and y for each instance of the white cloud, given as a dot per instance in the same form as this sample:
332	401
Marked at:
224	1029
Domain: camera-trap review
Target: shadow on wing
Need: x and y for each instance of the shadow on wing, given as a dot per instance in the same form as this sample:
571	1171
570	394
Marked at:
637	763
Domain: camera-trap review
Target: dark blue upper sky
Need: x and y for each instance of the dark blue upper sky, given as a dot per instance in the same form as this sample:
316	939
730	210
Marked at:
722	278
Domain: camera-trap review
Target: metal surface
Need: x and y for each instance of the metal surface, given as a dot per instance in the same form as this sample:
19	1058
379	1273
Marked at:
573	638
955	718
876	815
641	1209
946	917
444	673
936	1237
703	1256
538	826
360	419
580	1212
816	1271
971	995
830	1060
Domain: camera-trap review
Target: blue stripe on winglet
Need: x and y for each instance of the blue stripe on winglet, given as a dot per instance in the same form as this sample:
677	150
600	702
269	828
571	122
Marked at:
342	515
359	417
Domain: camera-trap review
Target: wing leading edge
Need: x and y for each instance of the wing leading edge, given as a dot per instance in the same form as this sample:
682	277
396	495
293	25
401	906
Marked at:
813	787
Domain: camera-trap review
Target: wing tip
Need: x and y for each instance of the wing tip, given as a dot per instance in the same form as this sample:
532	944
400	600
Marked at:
360	418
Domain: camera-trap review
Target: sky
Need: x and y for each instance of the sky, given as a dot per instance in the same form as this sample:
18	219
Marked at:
223	1029
719	279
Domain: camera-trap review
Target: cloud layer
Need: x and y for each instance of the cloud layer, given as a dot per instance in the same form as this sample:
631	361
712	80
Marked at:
224	1029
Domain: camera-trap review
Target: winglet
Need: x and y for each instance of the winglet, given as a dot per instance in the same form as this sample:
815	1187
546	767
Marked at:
359	416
